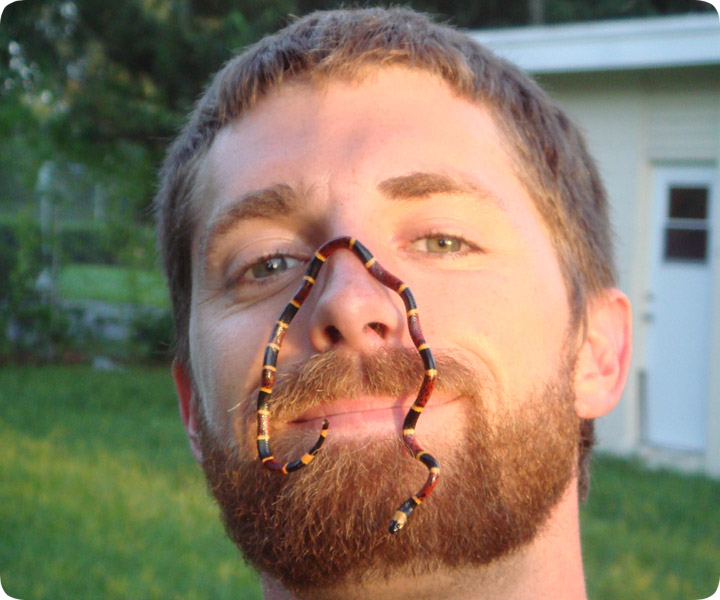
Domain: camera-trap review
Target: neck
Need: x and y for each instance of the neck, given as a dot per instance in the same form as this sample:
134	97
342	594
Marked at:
550	567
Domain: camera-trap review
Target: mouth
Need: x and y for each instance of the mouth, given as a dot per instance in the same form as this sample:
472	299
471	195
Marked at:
371	414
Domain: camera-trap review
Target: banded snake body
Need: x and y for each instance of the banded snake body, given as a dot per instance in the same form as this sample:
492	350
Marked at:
269	368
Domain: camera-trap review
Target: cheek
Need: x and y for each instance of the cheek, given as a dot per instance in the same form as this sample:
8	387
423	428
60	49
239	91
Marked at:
513	325
226	355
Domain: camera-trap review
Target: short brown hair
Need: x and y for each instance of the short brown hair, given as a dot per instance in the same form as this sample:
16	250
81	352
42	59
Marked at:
553	161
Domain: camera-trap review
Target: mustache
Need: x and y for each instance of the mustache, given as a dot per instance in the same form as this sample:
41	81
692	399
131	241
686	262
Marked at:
327	377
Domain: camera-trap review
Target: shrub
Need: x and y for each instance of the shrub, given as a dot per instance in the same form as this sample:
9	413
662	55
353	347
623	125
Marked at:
82	242
35	329
8	255
87	242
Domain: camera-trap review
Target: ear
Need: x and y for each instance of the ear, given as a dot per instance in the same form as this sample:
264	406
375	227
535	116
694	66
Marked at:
604	356
188	406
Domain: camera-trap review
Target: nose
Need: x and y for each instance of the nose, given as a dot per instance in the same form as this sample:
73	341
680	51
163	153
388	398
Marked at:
353	309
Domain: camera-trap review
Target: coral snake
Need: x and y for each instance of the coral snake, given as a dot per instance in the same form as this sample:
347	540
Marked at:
273	348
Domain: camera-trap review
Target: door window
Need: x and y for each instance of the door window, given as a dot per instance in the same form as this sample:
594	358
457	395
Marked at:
686	227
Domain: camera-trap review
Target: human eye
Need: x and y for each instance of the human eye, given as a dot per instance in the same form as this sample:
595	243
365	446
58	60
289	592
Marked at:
442	243
264	269
269	266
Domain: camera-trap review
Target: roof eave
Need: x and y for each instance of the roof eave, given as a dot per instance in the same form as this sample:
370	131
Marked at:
659	42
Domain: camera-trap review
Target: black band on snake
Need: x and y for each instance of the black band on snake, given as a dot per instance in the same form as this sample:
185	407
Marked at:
270	360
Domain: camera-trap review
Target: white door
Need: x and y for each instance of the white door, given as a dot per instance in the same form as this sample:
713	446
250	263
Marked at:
679	307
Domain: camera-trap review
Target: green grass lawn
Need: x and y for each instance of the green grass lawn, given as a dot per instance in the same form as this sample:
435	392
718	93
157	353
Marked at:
111	283
99	495
650	535
100	499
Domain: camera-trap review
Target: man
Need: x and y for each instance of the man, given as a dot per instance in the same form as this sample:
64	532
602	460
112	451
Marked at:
466	182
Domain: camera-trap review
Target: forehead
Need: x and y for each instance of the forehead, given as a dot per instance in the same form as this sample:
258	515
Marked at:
315	133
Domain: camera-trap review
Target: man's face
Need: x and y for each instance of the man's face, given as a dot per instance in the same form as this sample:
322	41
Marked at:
478	260
422	178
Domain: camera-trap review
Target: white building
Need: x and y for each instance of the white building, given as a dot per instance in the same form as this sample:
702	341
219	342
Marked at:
646	92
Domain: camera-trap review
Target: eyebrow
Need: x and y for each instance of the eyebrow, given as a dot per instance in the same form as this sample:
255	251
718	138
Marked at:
282	200
266	203
422	184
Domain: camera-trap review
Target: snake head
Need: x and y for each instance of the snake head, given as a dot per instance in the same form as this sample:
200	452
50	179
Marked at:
398	522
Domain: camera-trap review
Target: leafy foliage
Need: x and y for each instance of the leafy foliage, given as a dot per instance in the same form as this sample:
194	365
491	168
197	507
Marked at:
35	327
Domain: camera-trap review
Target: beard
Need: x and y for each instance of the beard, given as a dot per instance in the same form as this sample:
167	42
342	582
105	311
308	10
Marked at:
505	468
